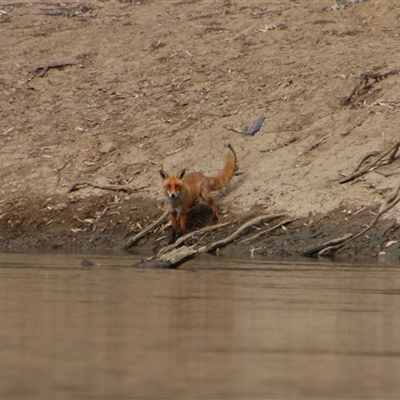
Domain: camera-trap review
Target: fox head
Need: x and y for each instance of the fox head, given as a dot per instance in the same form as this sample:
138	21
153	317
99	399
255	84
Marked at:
172	183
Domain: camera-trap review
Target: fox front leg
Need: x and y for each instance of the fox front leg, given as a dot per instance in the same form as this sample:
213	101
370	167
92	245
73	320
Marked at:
174	226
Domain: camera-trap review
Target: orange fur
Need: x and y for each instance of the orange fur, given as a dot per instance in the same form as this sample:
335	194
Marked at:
183	190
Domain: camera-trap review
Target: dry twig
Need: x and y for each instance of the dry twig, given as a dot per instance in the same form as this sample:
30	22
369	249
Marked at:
41	70
364	85
376	163
265	232
280	145
314	145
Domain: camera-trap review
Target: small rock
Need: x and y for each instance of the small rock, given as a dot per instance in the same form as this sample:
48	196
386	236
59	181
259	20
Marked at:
87	263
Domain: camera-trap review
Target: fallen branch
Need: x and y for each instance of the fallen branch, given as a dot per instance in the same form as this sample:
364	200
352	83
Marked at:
223	242
133	240
379	156
172	258
124	188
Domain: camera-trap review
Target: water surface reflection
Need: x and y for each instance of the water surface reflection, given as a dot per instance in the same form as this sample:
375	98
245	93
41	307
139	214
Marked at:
213	329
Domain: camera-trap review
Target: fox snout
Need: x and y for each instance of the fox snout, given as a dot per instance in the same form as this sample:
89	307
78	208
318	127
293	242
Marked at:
172	195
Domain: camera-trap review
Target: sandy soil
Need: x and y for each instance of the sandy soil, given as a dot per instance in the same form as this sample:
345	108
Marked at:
133	86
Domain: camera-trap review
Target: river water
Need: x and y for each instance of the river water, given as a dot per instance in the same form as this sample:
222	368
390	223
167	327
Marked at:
213	329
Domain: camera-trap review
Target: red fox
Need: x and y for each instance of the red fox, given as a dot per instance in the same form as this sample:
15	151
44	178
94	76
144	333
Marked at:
183	190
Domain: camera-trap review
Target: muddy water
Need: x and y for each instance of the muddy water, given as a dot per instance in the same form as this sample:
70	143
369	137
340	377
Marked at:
212	330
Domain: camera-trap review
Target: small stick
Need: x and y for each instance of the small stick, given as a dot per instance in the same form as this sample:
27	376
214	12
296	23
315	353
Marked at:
280	145
387	174
264	233
314	145
45	68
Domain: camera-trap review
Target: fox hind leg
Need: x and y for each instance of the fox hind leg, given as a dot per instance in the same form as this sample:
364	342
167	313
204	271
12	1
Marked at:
207	196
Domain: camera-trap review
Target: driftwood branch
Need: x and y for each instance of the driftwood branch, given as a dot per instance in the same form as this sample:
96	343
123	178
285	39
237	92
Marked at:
173	257
373	164
134	239
123	188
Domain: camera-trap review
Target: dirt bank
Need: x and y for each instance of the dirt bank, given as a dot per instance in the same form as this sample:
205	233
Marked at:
96	95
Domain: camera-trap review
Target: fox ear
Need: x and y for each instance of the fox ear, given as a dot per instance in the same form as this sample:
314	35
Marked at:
163	174
181	173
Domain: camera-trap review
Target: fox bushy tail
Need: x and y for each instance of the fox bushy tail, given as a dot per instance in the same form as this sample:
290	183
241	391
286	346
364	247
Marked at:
220	181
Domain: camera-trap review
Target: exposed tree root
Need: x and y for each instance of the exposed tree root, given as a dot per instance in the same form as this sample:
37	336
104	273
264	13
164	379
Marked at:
239	232
328	248
191	235
312	251
134	239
